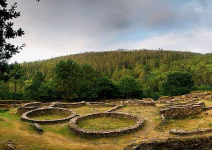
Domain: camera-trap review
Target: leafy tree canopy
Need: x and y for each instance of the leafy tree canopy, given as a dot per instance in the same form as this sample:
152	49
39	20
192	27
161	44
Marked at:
7	50
178	83
129	87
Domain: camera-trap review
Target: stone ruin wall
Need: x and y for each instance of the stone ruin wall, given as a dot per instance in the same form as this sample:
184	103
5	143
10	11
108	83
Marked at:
29	106
69	105
143	102
187	97
46	111
183	111
190	132
115	108
7	104
198	143
97	134
42	111
14	101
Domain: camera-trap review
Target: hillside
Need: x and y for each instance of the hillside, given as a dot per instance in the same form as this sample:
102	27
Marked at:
111	61
112	74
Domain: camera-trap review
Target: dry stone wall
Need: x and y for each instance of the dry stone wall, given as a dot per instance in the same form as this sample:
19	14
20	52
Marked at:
115	108
200	143
100	104
207	108
143	102
43	111
69	105
5	106
14	101
29	106
96	134
181	111
187	97
190	132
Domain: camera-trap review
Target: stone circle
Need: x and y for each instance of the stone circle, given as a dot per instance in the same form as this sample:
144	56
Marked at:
90	134
42	111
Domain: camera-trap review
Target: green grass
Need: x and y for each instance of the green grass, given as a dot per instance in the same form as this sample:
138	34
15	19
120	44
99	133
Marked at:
105	123
58	136
50	117
10	114
89	109
61	129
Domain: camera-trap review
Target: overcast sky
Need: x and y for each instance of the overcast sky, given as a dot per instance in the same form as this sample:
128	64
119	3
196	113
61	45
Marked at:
61	27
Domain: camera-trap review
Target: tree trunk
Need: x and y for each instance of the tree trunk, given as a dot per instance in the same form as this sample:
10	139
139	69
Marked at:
14	91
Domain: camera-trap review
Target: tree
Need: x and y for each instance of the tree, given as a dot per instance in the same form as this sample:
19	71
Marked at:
33	88
67	76
16	74
4	91
105	88
129	87
4	71
178	83
48	91
7	50
88	78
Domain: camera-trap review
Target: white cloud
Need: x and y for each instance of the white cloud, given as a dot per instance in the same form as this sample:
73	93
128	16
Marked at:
196	40
53	28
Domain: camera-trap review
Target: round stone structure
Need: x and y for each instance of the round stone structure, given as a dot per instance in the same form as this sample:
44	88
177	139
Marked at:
139	122
29	106
27	116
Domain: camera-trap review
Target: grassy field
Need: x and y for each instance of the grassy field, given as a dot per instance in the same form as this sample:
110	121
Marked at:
202	120
50	117
105	123
89	109
58	136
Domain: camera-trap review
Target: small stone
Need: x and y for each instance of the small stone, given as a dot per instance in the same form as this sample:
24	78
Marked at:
37	127
163	119
10	145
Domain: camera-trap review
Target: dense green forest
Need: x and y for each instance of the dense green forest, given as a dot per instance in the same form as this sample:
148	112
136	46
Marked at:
112	74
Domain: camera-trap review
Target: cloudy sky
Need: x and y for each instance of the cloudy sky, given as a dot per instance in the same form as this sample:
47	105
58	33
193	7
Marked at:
61	27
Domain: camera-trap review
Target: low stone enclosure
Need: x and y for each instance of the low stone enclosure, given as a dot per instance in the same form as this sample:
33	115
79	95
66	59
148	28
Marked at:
170	107
11	102
96	134
143	102
69	105
134	102
200	143
35	105
180	111
187	97
43	111
7	104
29	106
190	132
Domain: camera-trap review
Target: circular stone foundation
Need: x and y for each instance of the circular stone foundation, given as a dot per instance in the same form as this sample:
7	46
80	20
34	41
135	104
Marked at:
74	127
28	116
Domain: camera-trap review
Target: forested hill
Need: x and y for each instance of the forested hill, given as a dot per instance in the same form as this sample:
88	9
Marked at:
131	62
114	74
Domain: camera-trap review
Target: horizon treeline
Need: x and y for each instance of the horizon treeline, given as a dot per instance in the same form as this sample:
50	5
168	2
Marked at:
109	75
